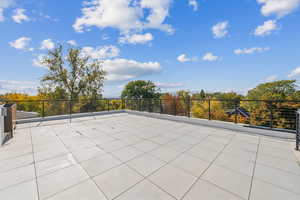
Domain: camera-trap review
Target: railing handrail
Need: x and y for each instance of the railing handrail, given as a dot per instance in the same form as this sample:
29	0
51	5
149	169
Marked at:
164	99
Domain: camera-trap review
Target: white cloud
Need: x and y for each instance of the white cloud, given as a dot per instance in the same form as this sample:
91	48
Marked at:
220	29
184	58
279	8
21	43
159	11
168	85
251	50
7	86
4	4
136	38
72	42
122	69
267	28
294	73
47	44
20	16
194	4
210	57
126	15
271	78
102	52
37	62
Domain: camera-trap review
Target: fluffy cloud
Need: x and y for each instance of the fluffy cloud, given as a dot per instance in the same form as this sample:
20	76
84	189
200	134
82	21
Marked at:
220	29
21	43
294	73
136	38
122	69
72	42
17	86
184	58
3	5
267	28
251	50
47	44
194	4
210	57
20	16
279	8
101	52
126	15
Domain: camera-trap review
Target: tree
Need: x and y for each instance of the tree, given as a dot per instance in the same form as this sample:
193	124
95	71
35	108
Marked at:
74	73
201	109
199	95
277	90
283	113
140	90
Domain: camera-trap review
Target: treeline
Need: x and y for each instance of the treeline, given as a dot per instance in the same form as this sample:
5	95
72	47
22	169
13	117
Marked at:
272	104
79	79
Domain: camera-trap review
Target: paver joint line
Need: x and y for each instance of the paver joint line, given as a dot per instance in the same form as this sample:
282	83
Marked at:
34	163
123	132
211	163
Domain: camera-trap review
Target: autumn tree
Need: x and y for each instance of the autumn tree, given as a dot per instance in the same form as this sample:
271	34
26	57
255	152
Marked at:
214	108
73	72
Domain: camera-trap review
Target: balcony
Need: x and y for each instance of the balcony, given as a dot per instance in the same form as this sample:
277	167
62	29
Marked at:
132	155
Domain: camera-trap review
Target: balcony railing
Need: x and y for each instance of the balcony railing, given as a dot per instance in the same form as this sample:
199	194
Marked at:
260	113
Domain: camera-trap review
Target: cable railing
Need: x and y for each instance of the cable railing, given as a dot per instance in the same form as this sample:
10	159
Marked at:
259	113
298	130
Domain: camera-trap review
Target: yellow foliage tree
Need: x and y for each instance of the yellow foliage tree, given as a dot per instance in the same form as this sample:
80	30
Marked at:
200	109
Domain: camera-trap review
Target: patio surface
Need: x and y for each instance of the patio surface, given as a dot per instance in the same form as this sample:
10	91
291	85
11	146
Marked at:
129	157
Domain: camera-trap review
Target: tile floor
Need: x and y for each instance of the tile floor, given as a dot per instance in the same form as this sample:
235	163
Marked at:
128	157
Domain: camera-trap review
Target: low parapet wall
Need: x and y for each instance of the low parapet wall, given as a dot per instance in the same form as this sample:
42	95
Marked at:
73	116
220	124
195	121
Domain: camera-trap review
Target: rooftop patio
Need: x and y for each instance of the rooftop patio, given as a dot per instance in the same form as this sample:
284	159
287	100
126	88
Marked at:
129	157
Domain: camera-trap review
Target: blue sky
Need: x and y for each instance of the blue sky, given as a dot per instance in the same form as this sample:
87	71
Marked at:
215	45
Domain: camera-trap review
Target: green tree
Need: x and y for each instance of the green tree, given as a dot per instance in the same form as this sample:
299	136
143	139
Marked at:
281	112
277	90
74	73
140	89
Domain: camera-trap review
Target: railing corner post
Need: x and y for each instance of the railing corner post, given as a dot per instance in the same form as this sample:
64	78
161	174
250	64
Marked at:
209	109
43	108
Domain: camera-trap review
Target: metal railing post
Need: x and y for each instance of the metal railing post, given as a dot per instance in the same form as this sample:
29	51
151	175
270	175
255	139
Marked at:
160	106
148	105
70	110
174	103
209	109
107	104
189	106
297	131
43	109
271	115
236	112
140	104
122	104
